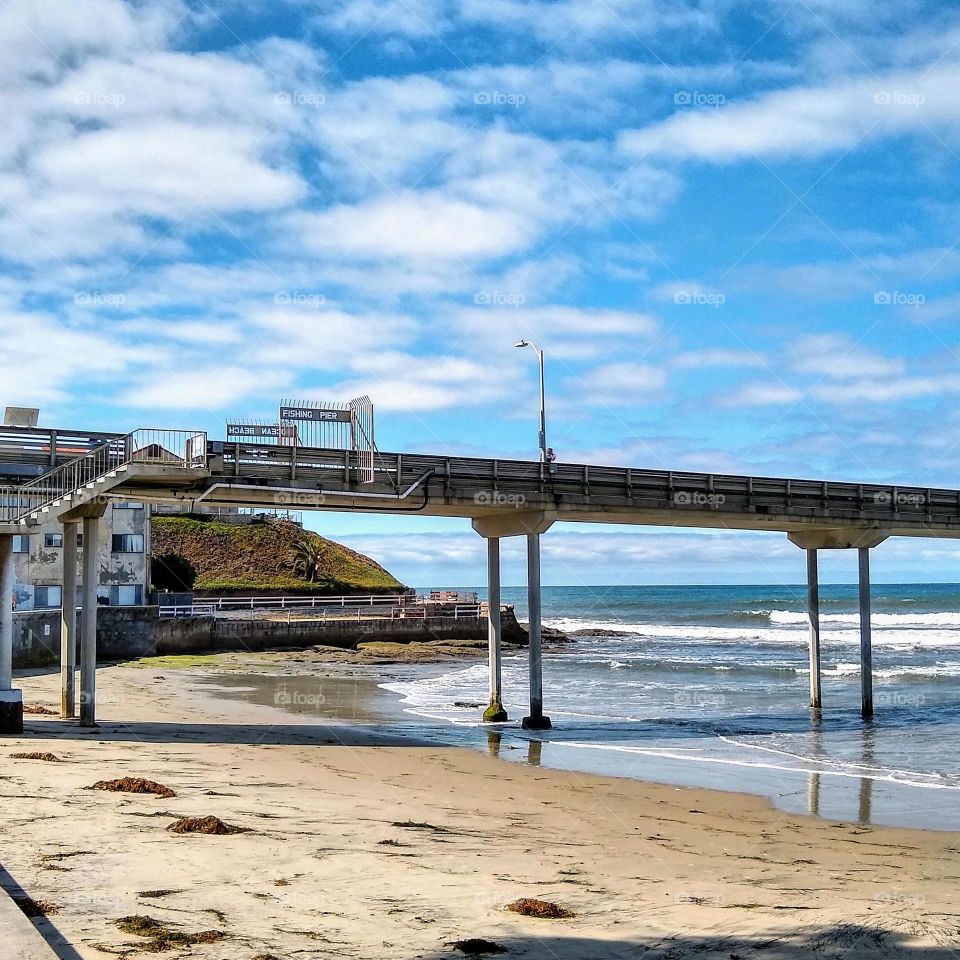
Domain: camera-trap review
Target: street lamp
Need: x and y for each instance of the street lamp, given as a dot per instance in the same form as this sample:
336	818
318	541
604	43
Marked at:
545	455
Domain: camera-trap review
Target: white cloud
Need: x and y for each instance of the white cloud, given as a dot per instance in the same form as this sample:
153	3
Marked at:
612	384
203	389
169	170
324	337
887	391
405	382
47	358
719	357
807	121
561	22
429	224
840	357
763	395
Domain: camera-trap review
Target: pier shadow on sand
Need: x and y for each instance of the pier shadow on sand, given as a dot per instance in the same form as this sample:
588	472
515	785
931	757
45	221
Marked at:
296	734
47	928
826	943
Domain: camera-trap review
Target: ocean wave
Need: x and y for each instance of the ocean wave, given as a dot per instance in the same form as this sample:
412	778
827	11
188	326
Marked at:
915	620
904	632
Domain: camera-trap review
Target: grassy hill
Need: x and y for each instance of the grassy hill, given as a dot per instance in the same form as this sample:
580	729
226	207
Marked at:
268	555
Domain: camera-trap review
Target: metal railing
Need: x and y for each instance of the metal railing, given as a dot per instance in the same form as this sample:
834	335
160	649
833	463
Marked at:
178	448
406	606
311	602
460	611
489	484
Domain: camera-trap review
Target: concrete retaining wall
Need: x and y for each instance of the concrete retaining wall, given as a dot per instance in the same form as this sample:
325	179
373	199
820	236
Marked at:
125	633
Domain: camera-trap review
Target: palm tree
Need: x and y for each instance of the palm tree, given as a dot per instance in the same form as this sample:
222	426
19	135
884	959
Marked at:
308	558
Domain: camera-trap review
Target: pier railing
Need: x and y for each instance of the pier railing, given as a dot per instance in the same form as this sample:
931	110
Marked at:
490	483
370	607
175	448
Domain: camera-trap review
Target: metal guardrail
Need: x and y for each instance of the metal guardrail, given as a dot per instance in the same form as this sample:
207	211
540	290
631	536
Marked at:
183	448
360	611
493	483
42	449
313	601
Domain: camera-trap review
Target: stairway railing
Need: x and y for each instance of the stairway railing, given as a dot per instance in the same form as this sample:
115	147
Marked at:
175	448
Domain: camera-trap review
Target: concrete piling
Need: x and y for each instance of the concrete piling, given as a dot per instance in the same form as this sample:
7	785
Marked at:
536	720
88	634
866	646
11	701
68	624
813	616
495	712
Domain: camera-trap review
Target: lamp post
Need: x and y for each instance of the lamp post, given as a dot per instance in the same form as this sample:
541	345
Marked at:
544	458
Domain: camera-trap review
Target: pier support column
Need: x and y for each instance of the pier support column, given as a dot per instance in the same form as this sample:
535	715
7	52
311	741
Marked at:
88	632
813	615
68	624
536	720
494	712
866	648
11	701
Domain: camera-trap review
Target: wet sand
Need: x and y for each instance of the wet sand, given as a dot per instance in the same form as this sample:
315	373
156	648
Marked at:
362	845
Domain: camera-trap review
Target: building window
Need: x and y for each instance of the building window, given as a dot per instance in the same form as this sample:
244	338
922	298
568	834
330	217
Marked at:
127	543
126	595
54	540
21	543
126	505
79	540
44	598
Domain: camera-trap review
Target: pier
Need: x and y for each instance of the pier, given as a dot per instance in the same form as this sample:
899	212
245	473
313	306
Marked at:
501	498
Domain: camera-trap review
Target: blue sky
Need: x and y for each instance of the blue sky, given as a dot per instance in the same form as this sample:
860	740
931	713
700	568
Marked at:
734	227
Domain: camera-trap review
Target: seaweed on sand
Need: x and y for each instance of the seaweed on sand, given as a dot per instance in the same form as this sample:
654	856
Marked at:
134	785
209	825
161	936
531	907
36	908
477	946
36	755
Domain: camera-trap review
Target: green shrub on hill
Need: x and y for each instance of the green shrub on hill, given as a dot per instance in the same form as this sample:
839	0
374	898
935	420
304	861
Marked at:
266	555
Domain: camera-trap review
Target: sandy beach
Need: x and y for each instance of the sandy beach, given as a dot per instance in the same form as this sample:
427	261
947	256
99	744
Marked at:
359	846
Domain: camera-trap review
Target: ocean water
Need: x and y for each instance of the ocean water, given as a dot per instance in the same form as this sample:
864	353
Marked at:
709	686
